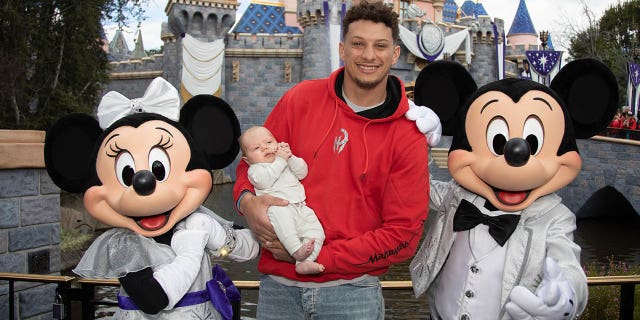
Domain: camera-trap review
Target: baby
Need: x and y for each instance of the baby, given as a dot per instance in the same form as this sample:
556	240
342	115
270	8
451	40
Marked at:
274	170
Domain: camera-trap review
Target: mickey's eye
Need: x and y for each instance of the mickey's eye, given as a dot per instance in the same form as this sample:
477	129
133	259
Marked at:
497	135
125	168
533	134
159	163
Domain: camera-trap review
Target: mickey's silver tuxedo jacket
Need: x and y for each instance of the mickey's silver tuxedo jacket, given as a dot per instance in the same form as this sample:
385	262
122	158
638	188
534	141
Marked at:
545	229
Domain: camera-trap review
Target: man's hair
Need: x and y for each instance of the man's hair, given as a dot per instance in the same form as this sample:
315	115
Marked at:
373	11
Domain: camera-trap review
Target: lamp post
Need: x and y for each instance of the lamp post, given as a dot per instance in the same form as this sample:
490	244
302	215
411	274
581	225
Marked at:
544	37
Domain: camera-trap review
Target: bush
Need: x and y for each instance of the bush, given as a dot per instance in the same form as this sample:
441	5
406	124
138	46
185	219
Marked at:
604	301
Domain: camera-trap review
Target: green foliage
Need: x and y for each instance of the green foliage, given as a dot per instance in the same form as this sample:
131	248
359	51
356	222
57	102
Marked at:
53	61
604	301
74	240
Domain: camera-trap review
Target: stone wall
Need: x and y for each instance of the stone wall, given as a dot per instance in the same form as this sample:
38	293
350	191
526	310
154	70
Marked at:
29	223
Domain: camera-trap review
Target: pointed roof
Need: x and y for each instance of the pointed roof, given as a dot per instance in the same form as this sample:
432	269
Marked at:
480	11
264	17
118	45
138	51
522	21
473	9
450	11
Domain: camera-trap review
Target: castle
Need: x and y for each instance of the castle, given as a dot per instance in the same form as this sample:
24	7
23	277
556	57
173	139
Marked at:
278	43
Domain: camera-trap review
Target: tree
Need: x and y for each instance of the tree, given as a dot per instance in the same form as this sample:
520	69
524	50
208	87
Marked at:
610	39
53	62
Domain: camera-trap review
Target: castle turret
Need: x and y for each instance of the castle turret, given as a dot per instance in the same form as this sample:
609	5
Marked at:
138	51
118	48
317	49
522	37
204	20
522	31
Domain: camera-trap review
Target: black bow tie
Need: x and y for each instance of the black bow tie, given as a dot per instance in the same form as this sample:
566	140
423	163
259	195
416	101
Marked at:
500	227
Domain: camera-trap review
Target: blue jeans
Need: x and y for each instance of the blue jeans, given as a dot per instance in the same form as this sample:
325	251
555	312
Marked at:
355	301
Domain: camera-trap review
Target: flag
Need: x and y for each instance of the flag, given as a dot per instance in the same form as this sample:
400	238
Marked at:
500	51
544	64
633	94
333	23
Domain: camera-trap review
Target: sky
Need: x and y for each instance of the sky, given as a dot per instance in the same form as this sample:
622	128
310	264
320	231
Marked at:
549	15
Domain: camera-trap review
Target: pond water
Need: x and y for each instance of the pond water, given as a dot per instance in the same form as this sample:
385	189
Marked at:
600	240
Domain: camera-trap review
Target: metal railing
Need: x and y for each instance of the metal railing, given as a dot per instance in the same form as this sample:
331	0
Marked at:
85	291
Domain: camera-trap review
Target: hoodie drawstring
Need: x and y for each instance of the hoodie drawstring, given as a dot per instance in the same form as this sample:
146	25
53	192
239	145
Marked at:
326	134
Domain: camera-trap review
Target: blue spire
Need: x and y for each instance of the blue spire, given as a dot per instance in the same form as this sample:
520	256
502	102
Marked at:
473	9
468	8
480	11
450	11
522	21
263	17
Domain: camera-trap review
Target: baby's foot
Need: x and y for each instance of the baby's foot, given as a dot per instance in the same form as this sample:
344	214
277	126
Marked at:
309	267
304	251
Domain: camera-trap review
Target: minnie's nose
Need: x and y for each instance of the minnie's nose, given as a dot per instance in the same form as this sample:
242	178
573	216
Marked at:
144	182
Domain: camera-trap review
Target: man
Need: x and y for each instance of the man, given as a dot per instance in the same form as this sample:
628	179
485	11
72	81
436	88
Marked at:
367	181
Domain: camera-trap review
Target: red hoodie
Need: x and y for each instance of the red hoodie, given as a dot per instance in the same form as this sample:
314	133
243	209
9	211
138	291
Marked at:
368	181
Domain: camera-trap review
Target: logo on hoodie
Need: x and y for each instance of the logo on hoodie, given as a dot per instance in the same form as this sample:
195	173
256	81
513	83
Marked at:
340	141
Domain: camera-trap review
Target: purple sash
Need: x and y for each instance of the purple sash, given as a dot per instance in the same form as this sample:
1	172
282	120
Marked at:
220	291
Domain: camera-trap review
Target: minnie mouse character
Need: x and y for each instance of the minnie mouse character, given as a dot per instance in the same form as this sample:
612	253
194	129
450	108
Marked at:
499	242
147	175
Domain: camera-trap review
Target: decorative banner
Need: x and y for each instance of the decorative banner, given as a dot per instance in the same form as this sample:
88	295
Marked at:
430	40
545	64
333	22
451	43
500	51
633	94
201	65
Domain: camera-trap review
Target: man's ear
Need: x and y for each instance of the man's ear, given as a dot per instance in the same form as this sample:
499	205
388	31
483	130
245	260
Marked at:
590	93
69	151
444	86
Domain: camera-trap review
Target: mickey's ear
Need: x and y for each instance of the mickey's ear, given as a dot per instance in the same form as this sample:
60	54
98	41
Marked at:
68	151
214	128
590	92
444	86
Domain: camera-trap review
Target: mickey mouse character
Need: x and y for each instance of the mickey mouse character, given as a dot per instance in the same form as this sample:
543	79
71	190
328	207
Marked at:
499	242
147	175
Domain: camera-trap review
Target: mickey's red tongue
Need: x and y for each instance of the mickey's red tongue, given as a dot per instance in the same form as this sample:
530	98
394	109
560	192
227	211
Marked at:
153	223
511	198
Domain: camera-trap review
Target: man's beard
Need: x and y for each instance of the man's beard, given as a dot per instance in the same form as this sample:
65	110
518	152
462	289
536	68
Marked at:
368	84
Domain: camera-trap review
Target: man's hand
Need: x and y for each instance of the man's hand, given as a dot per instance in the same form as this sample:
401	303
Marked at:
278	251
254	209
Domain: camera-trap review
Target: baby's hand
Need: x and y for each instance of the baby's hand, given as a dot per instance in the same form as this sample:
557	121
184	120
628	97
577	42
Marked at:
284	151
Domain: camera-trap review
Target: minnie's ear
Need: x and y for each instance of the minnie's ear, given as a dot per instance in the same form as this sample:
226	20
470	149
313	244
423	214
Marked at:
69	148
214	128
590	92
444	86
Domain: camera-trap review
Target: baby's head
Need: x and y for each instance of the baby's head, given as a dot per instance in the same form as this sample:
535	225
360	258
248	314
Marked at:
258	145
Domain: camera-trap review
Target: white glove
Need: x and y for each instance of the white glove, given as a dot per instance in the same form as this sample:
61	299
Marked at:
554	297
177	277
201	221
427	122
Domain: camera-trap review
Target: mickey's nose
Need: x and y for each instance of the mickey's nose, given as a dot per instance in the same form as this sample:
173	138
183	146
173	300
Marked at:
144	182
517	152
